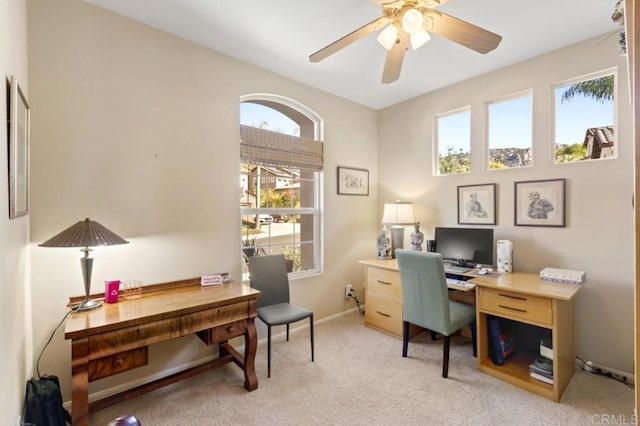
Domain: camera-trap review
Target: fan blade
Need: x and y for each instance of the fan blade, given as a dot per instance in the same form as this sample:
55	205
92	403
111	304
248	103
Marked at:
395	56
464	33
364	30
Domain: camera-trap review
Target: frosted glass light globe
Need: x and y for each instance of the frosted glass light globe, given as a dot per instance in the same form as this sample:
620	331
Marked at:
412	20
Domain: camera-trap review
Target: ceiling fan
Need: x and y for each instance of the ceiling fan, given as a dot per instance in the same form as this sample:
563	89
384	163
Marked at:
410	21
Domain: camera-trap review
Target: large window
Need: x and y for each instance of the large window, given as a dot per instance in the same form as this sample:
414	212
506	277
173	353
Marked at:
584	119
509	132
280	176
452	133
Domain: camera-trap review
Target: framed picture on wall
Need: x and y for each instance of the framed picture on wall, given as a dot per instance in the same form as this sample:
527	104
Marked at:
540	203
353	181
477	204
19	116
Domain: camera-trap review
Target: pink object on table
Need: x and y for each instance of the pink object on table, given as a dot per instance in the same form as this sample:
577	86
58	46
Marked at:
111	290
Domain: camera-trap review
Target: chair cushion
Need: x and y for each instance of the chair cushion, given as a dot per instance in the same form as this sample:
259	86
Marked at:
282	313
461	315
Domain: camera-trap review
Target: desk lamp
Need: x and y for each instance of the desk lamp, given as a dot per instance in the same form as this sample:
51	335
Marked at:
85	234
396	215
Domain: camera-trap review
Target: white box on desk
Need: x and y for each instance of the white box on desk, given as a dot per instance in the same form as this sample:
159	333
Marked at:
566	276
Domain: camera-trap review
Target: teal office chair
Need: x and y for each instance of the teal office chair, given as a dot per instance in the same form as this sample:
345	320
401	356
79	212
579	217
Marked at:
425	301
269	275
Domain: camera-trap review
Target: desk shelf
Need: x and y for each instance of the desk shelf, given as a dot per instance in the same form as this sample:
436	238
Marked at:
516	371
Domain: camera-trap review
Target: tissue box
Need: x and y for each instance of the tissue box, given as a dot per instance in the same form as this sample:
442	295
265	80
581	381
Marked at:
566	276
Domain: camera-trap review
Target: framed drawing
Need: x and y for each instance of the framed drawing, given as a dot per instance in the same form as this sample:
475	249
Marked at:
540	203
19	116
477	204
353	181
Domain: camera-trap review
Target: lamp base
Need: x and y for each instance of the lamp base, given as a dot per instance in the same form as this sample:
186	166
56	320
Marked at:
397	239
87	305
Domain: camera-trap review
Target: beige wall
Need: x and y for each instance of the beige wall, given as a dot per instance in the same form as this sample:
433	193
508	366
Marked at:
15	309
598	237
139	130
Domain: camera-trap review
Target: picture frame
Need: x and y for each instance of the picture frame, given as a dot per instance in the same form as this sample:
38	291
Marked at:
540	203
353	181
19	144
477	204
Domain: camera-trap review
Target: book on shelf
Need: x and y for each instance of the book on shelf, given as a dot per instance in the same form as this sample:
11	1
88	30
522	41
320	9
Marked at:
541	377
503	344
542	369
546	349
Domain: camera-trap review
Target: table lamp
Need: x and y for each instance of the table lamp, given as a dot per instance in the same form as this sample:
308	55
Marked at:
86	233
397	215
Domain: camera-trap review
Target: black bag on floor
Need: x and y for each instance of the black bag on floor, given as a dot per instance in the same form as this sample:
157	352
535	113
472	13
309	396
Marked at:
43	403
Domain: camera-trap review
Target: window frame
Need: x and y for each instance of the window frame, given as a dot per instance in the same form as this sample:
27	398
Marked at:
613	71
290	106
436	140
487	146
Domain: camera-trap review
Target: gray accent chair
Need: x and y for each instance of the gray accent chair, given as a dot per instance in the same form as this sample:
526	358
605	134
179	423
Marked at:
425	301
269	275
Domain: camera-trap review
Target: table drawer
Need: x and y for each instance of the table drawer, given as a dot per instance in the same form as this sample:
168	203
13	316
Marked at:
117	363
516	305
223	333
213	317
384	313
384	283
128	338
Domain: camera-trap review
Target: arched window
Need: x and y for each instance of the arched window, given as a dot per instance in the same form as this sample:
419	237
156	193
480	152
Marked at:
280	181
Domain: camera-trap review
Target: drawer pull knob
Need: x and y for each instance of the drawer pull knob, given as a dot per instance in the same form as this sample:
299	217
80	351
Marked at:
118	362
513	309
383	314
384	282
510	296
230	329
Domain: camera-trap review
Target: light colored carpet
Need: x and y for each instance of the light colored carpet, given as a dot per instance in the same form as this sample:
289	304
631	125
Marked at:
360	378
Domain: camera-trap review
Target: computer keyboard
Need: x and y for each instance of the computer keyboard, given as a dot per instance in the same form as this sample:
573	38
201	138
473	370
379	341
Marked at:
452	281
456	269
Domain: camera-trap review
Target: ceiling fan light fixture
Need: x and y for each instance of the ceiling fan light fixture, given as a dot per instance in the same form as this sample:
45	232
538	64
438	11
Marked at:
419	38
412	20
387	37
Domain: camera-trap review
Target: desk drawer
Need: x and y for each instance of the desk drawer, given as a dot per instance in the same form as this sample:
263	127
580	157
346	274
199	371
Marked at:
384	313
384	283
117	363
516	305
223	333
214	317
125	339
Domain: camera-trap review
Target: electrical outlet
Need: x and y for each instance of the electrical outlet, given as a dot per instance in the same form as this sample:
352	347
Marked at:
347	291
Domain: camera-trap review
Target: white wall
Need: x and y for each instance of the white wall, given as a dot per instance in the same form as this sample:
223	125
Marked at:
15	306
139	130
598	237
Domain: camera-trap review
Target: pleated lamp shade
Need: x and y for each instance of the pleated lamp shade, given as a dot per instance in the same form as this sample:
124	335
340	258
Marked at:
86	233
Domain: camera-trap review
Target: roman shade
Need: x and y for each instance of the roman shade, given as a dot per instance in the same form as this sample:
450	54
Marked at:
264	147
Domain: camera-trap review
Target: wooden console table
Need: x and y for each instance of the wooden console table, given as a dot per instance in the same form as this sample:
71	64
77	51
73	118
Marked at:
115	337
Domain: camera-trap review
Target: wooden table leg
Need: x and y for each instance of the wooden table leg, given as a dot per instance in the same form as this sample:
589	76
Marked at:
250	348
80	382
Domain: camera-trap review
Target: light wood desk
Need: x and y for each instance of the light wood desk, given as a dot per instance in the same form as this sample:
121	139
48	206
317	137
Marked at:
383	296
520	297
548	306
115	337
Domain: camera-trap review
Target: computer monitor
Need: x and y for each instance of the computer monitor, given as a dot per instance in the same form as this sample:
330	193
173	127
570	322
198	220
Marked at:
465	245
